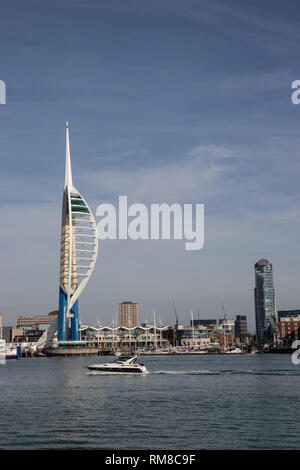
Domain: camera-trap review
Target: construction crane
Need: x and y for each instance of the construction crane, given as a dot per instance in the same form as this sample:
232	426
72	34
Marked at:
223	308
175	313
273	325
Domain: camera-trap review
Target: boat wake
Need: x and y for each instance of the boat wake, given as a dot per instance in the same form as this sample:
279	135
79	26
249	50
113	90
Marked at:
187	372
278	372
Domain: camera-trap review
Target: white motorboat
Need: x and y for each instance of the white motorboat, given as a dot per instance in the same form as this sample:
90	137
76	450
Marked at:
122	365
234	351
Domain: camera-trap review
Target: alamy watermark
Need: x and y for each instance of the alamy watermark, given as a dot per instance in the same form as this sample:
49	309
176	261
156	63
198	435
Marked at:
2	92
296	354
163	222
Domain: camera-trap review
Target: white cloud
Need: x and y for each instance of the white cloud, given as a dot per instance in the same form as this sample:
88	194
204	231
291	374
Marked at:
197	176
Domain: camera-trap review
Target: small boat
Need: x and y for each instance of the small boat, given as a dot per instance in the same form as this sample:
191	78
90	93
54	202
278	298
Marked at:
234	351
122	365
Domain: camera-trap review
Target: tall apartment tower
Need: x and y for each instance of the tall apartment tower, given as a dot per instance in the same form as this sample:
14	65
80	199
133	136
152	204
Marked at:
128	314
265	302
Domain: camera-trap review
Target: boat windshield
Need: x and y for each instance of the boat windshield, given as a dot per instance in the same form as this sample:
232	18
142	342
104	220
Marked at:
125	359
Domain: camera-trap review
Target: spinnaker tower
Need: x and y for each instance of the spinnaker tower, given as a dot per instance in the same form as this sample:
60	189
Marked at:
79	248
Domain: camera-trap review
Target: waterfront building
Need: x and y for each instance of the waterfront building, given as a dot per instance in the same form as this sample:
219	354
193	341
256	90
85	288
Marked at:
36	322
203	322
265	303
240	325
241	335
196	341
79	246
11	334
225	331
194	337
17	335
123	338
217	333
289	329
128	314
170	335
244	339
288	313
6	333
226	325
226	340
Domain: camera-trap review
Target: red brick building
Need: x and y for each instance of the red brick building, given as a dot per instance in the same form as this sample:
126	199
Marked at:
289	329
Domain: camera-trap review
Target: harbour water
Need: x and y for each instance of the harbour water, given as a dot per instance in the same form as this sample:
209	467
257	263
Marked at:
185	402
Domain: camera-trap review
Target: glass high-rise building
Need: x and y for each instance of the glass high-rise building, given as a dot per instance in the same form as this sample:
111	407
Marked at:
265	303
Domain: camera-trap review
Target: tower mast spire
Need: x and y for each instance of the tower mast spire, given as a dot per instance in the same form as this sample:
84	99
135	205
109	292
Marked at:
68	171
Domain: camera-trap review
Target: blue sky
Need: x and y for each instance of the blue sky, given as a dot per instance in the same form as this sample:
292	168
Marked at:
168	101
